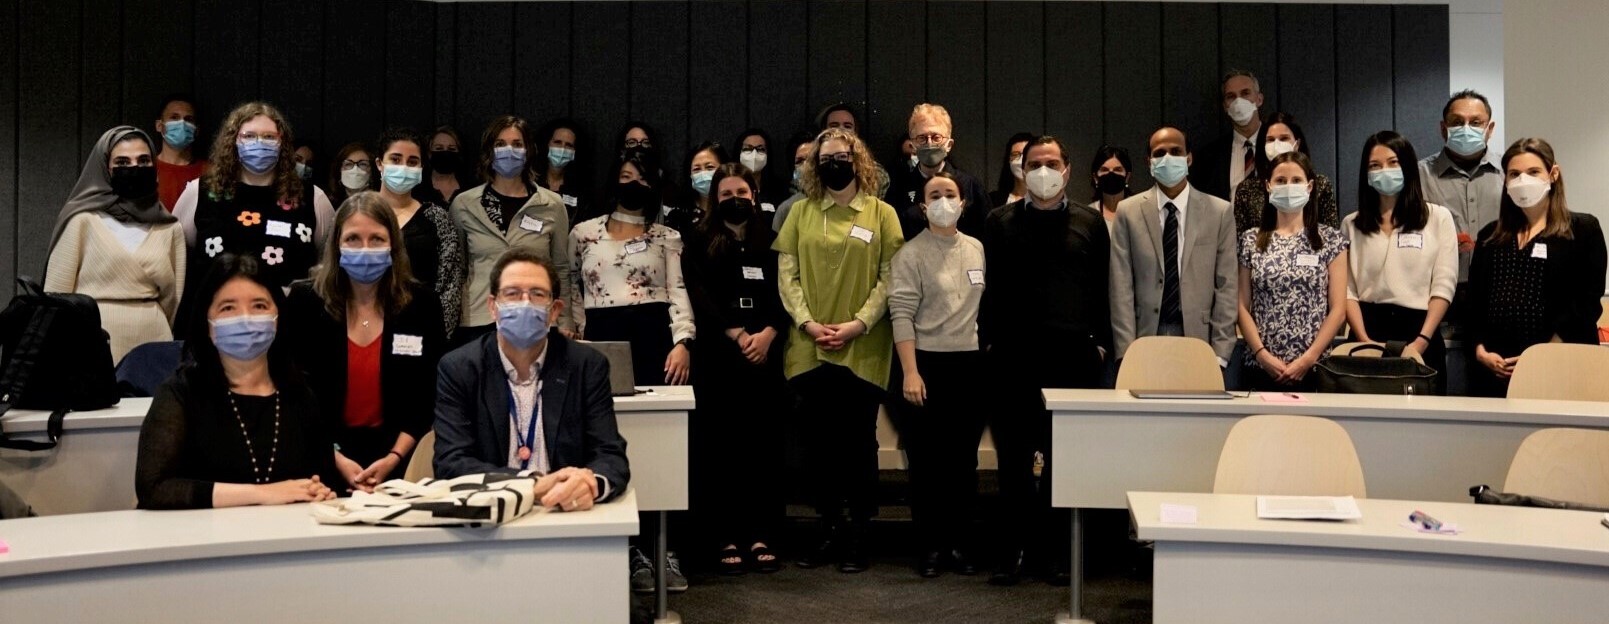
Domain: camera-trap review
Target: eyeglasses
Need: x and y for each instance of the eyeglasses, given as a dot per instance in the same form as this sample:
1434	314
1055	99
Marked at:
630	143
534	295
929	139
348	165
271	140
840	156
760	149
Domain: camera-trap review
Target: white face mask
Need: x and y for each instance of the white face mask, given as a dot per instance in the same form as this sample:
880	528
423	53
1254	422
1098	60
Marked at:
1016	169
1274	148
1288	198
1044	182
1528	190
355	179
1241	111
944	212
755	161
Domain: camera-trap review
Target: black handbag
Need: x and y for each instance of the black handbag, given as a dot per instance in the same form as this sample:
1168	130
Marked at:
1391	373
1485	495
54	356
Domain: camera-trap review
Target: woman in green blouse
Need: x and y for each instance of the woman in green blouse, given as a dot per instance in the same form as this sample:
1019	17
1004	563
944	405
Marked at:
835	254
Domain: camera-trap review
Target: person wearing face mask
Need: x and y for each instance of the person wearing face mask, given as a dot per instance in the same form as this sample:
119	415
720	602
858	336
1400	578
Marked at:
251	203
1293	281
114	242
352	172
176	164
1280	134
305	160
1109	174
843	116
1404	255
235	425
835	261
1229	160
937	288
562	167
754	148
1538	270
1047	324
1463	177
1173	258
1011	186
367	340
930	128
444	166
732	280
525	398
800	146
640	142
693	205
435	253
508	211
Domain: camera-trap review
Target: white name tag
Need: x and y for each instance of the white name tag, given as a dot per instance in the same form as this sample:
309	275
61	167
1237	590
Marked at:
636	247
403	344
1540	250
532	224
861	233
753	273
1307	260
279	228
768	207
975	276
569	200
1411	240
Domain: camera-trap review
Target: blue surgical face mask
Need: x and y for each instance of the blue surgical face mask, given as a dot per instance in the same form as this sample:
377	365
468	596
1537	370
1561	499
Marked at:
401	179
1387	181
701	182
178	133
258	157
303	171
366	266
508	161
244	337
522	324
560	156
1169	170
1466	140
796	174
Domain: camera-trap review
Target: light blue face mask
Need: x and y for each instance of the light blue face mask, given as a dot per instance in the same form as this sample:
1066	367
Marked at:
258	156
244	337
365	266
401	179
796	173
1386	181
521	323
178	133
560	156
1170	170
701	182
508	161
1466	140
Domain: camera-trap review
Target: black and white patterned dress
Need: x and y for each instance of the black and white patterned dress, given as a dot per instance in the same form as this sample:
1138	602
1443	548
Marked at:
1290	284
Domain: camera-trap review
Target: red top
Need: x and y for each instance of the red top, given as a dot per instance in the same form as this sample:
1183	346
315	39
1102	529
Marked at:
363	384
170	180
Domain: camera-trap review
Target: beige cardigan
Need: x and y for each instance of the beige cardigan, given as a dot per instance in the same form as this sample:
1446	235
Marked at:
542	226
137	291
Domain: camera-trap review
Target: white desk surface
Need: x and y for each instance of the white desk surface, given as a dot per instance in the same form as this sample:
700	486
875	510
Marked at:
1556	413
1549	535
119	538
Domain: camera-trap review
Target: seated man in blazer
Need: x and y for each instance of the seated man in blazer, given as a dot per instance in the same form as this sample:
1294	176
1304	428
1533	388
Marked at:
524	398
1173	269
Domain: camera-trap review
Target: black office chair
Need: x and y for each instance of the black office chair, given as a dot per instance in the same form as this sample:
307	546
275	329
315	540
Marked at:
145	367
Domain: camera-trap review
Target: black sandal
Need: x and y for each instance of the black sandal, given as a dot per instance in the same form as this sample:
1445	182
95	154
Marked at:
764	566
729	562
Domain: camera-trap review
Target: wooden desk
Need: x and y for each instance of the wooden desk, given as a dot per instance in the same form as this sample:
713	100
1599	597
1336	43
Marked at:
1510	564
274	564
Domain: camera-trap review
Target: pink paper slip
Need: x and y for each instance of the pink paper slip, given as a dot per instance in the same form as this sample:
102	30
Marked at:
4	547
1283	397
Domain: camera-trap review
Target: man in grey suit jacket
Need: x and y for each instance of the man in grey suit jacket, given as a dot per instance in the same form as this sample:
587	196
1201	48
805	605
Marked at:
1196	297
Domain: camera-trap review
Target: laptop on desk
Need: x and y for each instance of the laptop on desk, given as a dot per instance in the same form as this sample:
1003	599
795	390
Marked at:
622	382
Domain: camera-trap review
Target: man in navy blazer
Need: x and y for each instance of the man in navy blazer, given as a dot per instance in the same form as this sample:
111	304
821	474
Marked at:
524	398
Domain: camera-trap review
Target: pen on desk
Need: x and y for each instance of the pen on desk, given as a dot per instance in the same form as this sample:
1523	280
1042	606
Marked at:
1293	395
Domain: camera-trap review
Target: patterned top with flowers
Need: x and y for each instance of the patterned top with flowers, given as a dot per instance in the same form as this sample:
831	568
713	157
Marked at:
645	269
254	222
1290	288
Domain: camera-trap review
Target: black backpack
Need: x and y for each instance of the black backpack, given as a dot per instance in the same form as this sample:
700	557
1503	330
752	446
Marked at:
53	356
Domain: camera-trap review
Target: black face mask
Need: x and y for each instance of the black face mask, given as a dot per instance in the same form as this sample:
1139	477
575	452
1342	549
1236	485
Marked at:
1112	183
836	174
736	210
134	182
443	161
635	196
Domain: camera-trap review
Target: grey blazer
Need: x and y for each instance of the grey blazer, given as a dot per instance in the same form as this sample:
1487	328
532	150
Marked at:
1208	274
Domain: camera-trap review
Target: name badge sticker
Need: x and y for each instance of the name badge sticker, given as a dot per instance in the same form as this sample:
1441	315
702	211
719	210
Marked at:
279	228
532	224
1307	260
635	247
753	273
860	233
1410	240
975	277
403	344
1539	250
768	207
570	200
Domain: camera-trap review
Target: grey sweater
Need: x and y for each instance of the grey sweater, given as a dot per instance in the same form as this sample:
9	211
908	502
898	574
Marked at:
937	287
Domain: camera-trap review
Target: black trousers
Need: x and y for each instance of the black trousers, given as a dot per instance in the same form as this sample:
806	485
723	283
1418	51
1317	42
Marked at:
736	444
1253	377
1386	322
840	412
1021	427
941	443
646	326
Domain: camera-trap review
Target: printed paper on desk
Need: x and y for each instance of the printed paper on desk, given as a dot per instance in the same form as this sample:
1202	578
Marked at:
1178	514
1308	508
1282	397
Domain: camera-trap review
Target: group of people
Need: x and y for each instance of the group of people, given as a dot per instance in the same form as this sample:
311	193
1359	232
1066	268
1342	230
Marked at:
327	332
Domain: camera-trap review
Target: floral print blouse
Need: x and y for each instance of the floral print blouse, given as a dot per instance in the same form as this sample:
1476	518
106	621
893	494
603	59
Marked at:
1290	287
645	269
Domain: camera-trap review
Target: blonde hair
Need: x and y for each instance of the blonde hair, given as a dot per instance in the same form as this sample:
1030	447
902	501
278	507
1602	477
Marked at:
865	167
932	113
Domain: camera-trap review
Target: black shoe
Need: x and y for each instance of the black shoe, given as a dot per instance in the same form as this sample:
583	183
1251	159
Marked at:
852	558
962	564
1009	570
826	550
931	565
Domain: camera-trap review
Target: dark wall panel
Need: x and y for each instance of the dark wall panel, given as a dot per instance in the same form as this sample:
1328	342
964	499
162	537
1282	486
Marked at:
837	55
659	64
896	66
353	30
226	53
1247	34
158	38
410	66
718	81
1419	35
485	68
1307	77
8	147
444	42
542	61
292	79
101	107
48	126
1190	80
1133	57
1016	65
955	47
600	93
778	80
1362	89
1075	75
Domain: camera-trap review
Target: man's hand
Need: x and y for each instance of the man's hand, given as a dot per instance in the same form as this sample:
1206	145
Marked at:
568	489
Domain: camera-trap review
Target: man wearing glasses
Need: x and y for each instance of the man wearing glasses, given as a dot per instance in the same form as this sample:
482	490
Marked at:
930	130
524	398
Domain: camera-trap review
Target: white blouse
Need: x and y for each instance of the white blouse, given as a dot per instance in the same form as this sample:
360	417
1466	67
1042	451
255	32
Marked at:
645	269
1404	268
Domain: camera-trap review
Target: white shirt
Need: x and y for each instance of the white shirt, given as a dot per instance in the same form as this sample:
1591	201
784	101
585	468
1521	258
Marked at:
527	405
1182	202
1404	268
1237	160
130	233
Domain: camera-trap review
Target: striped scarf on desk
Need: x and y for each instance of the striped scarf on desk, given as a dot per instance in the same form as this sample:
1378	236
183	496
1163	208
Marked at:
470	500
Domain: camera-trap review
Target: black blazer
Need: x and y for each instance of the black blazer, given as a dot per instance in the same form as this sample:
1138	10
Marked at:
578	412
1573	287
407	381
1209	168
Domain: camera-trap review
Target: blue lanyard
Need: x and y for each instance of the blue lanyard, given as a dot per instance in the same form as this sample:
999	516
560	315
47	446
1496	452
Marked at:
528	441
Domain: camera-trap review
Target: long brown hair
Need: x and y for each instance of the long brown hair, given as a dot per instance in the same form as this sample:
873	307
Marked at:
223	172
489	139
714	228
1511	218
865	166
1271	214
331	282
